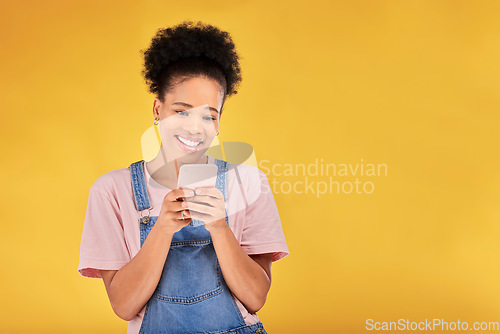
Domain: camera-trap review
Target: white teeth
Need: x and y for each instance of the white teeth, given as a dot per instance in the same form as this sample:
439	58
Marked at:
189	142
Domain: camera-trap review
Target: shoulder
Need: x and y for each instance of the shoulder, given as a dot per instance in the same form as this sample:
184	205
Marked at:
111	182
253	180
249	173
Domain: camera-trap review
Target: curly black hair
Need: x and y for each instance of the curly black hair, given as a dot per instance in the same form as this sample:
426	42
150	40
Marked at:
188	50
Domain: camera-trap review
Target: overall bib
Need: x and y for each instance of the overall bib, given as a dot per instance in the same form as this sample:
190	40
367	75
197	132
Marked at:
191	296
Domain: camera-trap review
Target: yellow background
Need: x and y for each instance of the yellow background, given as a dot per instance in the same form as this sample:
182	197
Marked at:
412	84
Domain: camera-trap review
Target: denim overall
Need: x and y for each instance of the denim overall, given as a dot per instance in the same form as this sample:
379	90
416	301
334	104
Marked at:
192	295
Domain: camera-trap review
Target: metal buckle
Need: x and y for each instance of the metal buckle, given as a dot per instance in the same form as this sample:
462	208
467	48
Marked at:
146	219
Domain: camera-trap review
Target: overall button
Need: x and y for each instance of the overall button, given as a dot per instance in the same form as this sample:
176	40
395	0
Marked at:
259	330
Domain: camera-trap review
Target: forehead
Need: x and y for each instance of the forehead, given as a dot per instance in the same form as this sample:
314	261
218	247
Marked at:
196	91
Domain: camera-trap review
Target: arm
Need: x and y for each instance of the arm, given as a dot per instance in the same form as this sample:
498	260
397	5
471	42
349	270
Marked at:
248	277
130	288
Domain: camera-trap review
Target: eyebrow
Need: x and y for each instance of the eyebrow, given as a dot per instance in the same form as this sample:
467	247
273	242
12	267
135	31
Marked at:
190	106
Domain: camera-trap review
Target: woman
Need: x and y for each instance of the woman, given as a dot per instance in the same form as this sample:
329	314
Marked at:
162	272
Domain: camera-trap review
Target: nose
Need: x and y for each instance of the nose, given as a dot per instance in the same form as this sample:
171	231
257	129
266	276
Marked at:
192	124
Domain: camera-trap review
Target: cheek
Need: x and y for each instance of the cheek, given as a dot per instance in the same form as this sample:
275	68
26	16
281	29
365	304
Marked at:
211	128
211	132
169	125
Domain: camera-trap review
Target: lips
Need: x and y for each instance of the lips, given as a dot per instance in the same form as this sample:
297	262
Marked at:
188	144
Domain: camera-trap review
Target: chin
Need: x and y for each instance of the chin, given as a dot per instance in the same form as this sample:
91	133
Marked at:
191	157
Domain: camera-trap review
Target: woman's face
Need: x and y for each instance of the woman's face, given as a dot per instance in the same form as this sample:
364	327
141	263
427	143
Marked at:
189	118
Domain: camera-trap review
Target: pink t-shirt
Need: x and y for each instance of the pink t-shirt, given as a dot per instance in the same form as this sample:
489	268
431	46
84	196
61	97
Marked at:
111	235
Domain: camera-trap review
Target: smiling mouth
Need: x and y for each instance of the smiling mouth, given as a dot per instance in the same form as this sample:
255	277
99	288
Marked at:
190	143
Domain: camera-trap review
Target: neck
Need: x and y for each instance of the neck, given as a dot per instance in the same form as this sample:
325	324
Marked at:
165	171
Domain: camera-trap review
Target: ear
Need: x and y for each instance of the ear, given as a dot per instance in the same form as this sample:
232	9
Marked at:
157	104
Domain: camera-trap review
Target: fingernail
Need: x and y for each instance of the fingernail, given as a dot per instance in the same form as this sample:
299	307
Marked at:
184	204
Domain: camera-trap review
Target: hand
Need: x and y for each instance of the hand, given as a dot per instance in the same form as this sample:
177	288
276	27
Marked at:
208	205
173	204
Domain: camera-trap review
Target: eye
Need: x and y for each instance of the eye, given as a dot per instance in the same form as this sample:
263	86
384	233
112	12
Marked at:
209	118
183	113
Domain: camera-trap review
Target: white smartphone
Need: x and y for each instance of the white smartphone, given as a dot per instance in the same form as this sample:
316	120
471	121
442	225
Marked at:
197	175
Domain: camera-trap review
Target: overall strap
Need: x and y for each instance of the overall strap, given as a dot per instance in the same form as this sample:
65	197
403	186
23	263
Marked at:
139	186
222	176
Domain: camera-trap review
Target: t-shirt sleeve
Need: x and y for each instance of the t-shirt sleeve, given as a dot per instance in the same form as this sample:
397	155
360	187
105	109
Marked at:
262	231
103	243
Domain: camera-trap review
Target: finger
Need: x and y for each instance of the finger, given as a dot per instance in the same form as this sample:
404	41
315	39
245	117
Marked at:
201	208
184	215
179	194
178	206
209	191
178	215
201	216
204	217
188	192
203	199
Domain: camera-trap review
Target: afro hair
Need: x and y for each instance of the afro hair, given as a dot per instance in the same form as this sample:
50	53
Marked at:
187	50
